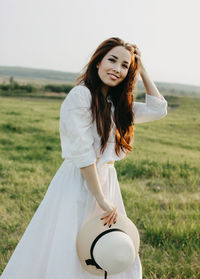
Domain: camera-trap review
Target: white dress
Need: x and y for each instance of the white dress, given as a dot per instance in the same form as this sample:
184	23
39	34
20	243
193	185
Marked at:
47	249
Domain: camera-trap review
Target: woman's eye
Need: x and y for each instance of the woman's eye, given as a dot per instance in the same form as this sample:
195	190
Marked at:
113	60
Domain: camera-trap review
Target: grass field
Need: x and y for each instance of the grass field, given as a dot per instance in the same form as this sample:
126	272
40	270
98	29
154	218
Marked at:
160	180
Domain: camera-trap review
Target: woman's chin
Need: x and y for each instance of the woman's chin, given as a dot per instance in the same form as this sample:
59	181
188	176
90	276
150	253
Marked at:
111	83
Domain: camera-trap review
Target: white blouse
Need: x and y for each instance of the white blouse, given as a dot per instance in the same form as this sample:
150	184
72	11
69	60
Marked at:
80	141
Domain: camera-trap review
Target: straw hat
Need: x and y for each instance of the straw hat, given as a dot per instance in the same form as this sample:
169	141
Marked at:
107	250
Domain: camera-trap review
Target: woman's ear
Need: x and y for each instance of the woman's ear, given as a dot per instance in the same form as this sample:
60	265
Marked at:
97	66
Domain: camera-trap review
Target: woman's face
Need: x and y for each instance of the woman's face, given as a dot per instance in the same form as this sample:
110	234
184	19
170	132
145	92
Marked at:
114	67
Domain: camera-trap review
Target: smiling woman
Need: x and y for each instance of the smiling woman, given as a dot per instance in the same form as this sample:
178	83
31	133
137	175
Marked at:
97	121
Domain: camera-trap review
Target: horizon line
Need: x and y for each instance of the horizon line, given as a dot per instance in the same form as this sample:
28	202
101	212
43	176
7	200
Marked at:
77	73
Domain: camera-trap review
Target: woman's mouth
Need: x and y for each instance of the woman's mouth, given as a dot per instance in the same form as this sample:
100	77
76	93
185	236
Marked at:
113	77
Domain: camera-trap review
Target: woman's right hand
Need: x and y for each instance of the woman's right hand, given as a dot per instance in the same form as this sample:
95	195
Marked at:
111	214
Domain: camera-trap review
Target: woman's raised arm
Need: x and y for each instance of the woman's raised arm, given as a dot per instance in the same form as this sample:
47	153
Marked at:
155	106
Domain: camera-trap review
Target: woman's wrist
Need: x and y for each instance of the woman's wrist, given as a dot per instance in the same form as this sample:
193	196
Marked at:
142	69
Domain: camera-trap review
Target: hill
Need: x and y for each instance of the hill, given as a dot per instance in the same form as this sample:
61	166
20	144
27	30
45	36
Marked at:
42	76
38	76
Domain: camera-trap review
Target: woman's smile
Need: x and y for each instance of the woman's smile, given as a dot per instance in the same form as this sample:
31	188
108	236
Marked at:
113	77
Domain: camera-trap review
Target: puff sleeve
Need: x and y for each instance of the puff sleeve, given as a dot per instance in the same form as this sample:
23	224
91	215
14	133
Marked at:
76	127
154	108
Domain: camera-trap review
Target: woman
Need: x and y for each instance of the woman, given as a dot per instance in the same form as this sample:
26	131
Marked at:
96	129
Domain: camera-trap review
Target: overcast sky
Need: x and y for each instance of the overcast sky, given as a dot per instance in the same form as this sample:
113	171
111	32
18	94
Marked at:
63	34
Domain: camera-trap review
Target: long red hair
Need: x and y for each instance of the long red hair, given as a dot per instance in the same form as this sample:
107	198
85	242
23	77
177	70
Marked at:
121	95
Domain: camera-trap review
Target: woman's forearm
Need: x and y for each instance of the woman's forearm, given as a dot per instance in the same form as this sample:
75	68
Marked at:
91	176
149	85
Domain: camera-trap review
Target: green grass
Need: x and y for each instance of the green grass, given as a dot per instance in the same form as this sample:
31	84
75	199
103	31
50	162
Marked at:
159	180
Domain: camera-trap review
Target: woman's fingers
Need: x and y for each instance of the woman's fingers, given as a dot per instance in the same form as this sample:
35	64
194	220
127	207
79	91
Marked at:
111	218
105	215
108	218
109	212
110	215
137	52
115	217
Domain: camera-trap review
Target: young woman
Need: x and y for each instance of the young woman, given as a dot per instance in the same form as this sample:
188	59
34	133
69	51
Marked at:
97	121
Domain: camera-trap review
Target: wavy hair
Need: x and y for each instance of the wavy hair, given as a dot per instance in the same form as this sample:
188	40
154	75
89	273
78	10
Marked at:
121	95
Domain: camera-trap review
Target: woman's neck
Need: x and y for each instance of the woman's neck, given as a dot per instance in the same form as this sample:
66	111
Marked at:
104	90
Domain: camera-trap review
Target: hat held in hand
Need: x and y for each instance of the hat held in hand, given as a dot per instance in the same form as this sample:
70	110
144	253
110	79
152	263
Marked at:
107	250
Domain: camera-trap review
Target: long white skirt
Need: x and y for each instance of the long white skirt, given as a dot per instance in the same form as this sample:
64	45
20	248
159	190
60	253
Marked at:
47	249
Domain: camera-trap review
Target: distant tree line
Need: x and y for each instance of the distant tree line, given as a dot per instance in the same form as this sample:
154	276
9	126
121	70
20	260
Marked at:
57	88
15	87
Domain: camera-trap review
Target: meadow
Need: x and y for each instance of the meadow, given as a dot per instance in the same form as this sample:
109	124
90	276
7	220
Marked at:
159	180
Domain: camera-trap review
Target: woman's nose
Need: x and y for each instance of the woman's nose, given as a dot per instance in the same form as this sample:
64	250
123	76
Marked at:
116	68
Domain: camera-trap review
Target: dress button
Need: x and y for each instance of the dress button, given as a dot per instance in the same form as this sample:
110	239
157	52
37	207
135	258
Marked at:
108	99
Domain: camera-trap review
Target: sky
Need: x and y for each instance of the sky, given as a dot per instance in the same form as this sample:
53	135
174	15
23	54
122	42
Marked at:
63	34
